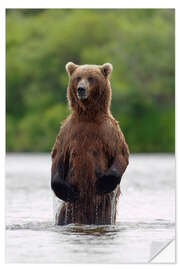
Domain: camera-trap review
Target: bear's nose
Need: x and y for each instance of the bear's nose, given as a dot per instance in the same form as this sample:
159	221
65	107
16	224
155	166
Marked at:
81	90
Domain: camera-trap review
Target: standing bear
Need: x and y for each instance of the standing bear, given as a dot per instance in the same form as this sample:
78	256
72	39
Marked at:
90	154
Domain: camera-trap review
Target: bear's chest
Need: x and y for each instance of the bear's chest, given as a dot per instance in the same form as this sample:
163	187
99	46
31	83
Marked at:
87	147
86	155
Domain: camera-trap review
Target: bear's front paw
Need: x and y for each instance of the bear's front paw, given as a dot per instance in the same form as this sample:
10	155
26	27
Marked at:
107	182
65	191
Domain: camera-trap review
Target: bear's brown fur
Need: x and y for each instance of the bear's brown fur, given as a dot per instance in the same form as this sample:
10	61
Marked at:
90	154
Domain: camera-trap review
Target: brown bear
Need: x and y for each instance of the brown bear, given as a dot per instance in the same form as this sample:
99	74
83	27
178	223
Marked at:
90	154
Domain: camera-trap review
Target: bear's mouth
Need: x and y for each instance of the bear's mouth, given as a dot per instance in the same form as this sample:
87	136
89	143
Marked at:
82	96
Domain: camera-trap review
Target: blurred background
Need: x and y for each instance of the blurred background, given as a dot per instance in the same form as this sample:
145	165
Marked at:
138	42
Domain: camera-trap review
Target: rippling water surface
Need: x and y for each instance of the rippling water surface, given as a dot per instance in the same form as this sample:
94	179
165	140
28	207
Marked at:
146	214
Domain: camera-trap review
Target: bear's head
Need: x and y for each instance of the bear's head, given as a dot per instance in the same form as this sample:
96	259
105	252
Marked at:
89	87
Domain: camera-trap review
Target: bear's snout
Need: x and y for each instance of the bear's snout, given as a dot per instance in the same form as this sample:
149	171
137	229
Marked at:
82	88
81	92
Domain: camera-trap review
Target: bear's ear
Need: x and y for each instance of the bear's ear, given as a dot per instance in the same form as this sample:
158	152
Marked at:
106	69
70	68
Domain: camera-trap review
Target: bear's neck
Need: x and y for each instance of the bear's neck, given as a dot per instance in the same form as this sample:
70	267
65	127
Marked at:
89	115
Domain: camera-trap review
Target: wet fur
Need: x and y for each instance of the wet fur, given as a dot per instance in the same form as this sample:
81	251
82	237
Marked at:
90	152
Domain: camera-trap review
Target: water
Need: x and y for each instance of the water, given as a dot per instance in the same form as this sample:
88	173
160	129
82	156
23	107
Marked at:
146	215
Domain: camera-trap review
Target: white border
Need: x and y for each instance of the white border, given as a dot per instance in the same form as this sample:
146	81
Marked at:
77	4
91	4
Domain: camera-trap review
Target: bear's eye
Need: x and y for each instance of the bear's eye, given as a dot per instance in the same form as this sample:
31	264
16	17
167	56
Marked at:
78	79
90	79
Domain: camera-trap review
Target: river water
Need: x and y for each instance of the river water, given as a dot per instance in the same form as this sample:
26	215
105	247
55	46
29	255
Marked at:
145	221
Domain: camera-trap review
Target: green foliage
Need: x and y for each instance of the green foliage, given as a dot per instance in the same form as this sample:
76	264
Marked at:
138	42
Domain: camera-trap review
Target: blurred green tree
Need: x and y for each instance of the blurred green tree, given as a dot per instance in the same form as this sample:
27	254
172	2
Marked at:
138	42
